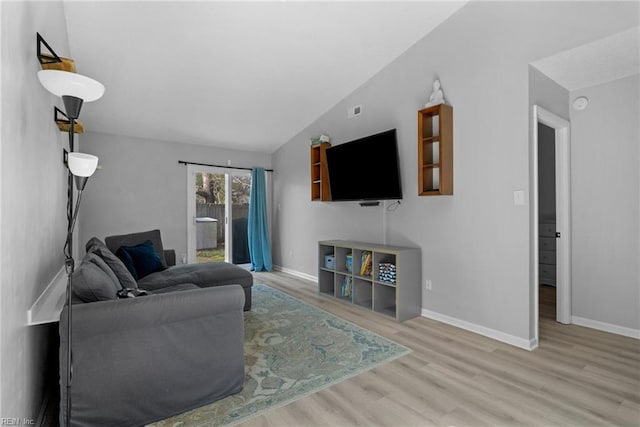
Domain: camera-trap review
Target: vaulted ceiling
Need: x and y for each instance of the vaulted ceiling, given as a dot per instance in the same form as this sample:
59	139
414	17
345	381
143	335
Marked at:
240	75
251	75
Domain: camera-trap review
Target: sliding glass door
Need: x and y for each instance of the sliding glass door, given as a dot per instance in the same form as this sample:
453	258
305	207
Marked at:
218	206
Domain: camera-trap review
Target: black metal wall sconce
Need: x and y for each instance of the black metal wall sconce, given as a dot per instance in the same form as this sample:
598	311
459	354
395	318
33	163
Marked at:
51	60
64	122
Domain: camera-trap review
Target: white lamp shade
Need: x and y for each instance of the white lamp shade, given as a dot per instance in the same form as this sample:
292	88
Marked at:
62	83
81	164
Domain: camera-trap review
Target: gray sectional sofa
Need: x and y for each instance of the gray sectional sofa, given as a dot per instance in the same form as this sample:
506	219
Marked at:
202	275
143	359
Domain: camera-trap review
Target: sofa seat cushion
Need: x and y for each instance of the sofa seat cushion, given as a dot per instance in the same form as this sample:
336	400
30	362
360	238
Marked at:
175	288
204	275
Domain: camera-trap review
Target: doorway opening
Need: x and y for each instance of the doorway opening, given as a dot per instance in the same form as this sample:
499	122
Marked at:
547	221
218	208
551	226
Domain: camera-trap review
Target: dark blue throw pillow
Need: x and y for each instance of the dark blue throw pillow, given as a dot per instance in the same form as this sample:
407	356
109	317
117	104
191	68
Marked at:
141	260
127	261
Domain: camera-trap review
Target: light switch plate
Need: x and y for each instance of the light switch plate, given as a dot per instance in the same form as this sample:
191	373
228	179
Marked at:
518	197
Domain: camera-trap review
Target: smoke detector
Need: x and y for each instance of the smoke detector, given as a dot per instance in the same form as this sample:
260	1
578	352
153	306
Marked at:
580	103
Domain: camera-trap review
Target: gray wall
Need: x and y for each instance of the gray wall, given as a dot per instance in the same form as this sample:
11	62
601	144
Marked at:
548	94
475	245
32	203
605	203
141	186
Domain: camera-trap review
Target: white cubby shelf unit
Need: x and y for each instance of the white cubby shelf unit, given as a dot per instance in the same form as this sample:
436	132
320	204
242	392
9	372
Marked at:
400	300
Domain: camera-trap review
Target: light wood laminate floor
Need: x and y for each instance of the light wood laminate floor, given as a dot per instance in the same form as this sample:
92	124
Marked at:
577	376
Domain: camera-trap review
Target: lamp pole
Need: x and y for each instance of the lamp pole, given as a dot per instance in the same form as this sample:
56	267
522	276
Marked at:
69	262
73	105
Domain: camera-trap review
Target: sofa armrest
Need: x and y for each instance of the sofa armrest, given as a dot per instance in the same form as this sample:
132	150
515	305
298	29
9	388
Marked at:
183	348
170	257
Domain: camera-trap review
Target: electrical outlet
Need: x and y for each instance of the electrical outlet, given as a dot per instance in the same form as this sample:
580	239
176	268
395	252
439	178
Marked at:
428	284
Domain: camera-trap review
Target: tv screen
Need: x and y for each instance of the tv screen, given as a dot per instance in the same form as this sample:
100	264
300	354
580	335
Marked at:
365	169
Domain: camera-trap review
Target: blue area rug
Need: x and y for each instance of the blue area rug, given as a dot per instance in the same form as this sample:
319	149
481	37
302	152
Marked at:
292	349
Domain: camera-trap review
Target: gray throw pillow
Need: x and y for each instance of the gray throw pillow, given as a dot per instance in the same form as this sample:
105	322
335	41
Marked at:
90	283
96	246
99	262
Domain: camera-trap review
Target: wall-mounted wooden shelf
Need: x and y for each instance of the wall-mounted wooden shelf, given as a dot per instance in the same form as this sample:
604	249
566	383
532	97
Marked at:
51	60
51	63
319	173
435	151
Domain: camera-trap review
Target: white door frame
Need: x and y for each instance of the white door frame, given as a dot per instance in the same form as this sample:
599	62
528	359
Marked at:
563	214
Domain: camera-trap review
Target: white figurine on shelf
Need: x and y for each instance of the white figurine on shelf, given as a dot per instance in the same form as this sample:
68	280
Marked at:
437	96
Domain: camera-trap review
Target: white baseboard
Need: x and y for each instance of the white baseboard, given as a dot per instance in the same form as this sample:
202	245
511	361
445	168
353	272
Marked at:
296	273
606	327
481	330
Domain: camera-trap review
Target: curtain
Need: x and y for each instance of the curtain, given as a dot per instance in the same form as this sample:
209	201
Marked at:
258	230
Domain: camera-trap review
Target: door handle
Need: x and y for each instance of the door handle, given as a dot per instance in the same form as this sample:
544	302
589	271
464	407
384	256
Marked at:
557	234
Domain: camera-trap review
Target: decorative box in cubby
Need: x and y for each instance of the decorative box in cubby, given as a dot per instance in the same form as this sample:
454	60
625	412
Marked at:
329	261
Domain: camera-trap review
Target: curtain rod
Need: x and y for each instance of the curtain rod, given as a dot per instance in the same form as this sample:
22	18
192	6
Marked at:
218	166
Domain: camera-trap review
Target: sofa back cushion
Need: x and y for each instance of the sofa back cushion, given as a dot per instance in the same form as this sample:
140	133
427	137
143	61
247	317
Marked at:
96	246
115	242
94	280
141	260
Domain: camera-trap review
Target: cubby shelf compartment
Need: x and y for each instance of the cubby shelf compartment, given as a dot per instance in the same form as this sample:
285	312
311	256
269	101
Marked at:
362	293
435	151
400	300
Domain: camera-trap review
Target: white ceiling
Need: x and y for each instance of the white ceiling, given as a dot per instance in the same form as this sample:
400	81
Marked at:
240	75
598	62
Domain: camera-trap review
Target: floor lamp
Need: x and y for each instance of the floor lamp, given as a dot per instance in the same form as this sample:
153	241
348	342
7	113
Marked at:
74	89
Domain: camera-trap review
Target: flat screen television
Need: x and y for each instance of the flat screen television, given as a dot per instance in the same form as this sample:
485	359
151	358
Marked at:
365	169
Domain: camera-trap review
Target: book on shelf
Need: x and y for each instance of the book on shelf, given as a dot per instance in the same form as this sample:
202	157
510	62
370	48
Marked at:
365	264
349	263
345	290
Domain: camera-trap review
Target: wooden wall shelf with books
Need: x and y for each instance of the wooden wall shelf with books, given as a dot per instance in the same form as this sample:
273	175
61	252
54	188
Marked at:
435	151
382	278
319	173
